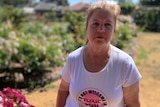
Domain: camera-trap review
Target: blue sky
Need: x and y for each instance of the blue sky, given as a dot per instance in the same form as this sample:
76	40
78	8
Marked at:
72	2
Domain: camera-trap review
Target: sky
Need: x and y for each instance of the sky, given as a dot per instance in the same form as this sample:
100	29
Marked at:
72	2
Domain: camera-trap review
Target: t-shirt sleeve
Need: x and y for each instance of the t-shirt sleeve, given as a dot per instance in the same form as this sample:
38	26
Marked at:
131	73
66	71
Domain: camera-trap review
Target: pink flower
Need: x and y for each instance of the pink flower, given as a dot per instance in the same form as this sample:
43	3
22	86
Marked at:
13	98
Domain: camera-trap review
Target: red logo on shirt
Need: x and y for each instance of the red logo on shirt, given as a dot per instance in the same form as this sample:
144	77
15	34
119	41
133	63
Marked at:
92	98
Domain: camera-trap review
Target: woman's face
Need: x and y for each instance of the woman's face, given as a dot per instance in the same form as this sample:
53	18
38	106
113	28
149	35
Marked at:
100	27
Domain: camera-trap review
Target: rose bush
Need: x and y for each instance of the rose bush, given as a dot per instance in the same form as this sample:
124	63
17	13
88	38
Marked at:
10	97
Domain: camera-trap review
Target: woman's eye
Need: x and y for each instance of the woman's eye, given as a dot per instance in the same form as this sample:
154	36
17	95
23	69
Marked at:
107	24
94	24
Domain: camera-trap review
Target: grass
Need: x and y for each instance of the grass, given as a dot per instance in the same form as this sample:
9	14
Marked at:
148	63
142	54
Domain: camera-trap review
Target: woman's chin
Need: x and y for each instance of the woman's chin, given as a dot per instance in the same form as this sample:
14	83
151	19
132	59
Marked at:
100	40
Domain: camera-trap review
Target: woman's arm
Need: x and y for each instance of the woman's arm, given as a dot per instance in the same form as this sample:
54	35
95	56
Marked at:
63	92
131	95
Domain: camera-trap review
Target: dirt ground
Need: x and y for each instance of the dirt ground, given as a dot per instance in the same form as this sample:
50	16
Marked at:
44	97
148	62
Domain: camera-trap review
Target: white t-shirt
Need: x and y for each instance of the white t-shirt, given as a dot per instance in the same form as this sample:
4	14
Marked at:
103	88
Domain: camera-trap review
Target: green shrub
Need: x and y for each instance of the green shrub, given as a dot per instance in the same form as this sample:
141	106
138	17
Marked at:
127	9
32	47
15	15
122	36
69	43
4	30
76	26
148	18
125	32
6	45
32	28
51	16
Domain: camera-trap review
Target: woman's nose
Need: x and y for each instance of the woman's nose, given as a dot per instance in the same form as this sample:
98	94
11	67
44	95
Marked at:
101	28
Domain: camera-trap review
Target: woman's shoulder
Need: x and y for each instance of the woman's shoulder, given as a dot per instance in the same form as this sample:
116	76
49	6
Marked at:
76	53
120	54
119	51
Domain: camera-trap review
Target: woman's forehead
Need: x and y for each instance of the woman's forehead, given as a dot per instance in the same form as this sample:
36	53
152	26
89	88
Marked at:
104	11
102	15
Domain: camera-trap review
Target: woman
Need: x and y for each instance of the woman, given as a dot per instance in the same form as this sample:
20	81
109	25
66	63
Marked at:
99	74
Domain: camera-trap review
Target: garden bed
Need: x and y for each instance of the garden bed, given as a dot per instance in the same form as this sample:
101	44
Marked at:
29	80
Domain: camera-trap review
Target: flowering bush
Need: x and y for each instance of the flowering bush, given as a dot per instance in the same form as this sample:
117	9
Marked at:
30	50
13	98
126	30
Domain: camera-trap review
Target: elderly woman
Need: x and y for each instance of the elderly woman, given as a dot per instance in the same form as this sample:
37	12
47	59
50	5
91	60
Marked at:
99	74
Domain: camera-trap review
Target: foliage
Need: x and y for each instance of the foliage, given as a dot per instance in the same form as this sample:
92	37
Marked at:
76	26
150	2
125	32
63	2
13	98
58	2
127	9
15	15
5	45
147	18
124	2
75	20
33	48
31	51
50	16
14	2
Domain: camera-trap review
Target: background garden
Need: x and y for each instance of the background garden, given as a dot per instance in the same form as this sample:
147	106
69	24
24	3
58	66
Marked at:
31	46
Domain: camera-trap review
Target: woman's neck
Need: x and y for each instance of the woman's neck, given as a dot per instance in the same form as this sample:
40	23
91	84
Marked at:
96	59
98	51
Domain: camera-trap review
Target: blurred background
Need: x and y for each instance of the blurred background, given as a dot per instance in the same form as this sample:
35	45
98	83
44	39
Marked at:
37	35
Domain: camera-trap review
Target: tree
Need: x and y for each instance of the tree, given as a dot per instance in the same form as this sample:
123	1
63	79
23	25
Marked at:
63	2
150	2
58	2
14	2
22	2
123	2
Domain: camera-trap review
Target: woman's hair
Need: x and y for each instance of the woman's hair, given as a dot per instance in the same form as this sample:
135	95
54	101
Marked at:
114	8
